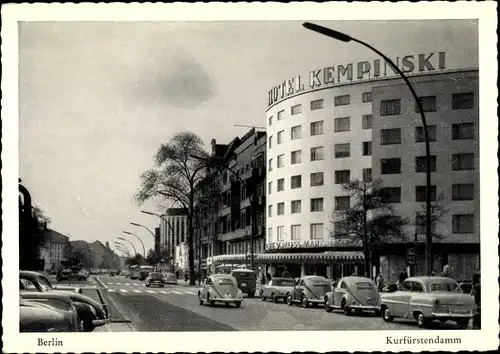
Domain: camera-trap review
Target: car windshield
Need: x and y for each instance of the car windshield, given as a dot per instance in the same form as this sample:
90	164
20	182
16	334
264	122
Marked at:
444	286
319	283
44	283
284	282
225	281
364	285
155	275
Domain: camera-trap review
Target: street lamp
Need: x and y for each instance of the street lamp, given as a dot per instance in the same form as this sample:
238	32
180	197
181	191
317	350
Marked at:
121	247
124	239
170	254
428	217
142	243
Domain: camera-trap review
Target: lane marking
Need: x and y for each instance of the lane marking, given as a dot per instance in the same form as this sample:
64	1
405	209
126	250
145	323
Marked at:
190	292
162	291
124	291
136	291
110	283
176	292
111	290
118	283
150	291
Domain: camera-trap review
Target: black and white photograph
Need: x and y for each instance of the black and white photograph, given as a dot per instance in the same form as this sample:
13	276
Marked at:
235	177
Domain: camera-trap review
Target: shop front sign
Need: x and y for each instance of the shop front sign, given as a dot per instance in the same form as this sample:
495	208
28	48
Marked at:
300	244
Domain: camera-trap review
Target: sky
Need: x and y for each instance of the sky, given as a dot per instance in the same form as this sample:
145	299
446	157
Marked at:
97	99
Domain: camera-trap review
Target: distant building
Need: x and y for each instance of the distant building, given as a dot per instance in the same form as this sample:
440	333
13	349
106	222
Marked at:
55	249
182	258
173	230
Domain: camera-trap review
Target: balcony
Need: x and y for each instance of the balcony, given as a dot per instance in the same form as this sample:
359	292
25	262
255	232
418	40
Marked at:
236	234
224	210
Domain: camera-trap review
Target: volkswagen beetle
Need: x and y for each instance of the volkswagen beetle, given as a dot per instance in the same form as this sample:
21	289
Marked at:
310	289
429	298
353	293
277	289
39	317
220	288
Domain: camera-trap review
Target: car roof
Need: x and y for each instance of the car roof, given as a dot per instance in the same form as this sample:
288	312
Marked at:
282	278
428	279
312	277
221	276
29	274
243	270
356	279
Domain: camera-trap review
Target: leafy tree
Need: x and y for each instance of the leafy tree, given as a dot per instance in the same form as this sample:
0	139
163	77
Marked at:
175	177
77	259
135	260
370	221
152	257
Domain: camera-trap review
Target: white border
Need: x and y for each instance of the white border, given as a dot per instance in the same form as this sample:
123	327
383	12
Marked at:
485	339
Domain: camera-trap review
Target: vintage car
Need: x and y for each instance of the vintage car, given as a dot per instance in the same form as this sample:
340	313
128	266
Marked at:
277	289
170	278
82	274
310	289
91	312
37	317
155	279
247	280
426	299
220	288
353	293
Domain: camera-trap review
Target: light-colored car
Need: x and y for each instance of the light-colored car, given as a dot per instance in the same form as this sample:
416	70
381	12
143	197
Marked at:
170	278
277	289
353	293
83	274
429	298
309	290
220	288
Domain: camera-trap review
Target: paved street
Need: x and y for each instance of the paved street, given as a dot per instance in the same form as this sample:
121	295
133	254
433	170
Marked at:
176	308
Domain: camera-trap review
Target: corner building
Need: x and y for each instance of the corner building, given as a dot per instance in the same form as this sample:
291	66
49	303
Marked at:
329	135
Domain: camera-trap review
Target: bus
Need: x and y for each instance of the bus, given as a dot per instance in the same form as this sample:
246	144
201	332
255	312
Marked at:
134	272
144	271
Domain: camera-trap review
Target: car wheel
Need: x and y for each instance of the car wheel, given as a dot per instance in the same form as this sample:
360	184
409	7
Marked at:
211	302
88	327
463	324
304	302
347	310
262	295
227	304
328	308
289	300
386	315
421	320
200	299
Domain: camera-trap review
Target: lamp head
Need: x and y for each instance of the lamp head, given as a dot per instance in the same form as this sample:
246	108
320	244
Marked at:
327	32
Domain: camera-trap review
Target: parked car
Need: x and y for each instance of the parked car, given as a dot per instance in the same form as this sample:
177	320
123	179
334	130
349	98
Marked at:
465	286
83	274
155	279
91	312
220	288
37	317
170	278
63	274
247	280
353	293
429	298
277	289
126	274
112	273
309	290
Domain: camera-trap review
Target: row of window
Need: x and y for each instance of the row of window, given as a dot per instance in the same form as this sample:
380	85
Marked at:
459	131
459	101
459	162
316	205
315	232
459	191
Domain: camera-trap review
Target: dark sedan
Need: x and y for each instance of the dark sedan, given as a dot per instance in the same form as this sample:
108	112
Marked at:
155	279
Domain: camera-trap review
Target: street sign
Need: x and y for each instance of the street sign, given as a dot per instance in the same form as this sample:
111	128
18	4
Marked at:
410	256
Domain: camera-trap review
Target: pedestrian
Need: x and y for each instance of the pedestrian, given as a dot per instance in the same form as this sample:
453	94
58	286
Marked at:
380	282
446	271
476	292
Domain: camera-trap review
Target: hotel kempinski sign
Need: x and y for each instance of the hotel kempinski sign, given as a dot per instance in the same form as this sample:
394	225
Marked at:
358	71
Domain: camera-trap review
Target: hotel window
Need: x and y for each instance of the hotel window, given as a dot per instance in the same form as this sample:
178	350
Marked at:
420	222
296	132
421	196
316	179
390	136
281	185
366	97
419	133
462	131
367	148
366	122
342	150
390	107
462	191
342	176
281	208
342	203
270	210
270	234
280	137
317	128
317	104
420	163
463	224
367	174
316	231
270	164
390	166
316	204
296	231
296	182
342	100
297	109
317	153
280	235
462	100
281	115
462	162
428	104
392	194
269	187
281	160
296	157
270	141
296	206
342	124
270	120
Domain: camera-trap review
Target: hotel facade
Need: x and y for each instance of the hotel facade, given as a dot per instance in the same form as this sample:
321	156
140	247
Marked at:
340	129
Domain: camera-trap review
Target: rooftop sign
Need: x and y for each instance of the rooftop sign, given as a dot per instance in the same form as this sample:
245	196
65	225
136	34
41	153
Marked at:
358	71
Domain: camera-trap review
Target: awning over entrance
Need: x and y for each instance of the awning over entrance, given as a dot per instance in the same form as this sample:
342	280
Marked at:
338	256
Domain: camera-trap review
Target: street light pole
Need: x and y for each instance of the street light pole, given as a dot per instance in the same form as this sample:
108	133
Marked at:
124	239
142	243
171	253
122	248
428	217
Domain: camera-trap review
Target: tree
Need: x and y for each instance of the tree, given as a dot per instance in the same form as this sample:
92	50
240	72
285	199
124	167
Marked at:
77	259
175	177
369	221
136	260
152	257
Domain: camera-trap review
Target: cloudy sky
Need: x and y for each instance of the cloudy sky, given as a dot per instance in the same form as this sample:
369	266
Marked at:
97	99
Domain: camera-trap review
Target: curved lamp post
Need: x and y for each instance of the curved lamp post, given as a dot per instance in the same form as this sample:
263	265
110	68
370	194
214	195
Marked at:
122	248
124	239
166	222
428	217
142	243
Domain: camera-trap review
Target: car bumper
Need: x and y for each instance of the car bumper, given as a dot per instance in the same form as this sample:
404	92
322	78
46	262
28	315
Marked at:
316	301
100	322
365	307
228	300
438	315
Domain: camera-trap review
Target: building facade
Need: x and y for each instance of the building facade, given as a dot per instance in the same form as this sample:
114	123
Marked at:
173	231
330	134
182	258
55	249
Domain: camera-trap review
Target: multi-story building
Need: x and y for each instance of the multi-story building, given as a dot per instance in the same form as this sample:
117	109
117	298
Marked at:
182	258
173	230
55	249
339	129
